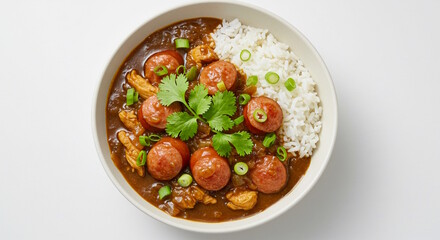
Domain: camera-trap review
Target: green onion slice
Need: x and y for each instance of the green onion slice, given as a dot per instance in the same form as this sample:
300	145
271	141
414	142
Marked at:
144	141
245	55
260	115
239	120
221	86
191	74
269	140
281	153
181	67
272	77
185	180
136	97
252	80
244	98
141	158
160	71
181	43
130	96
241	168
290	84
154	137
164	191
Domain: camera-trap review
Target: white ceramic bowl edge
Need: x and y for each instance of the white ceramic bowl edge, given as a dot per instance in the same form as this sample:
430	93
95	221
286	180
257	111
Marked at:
249	15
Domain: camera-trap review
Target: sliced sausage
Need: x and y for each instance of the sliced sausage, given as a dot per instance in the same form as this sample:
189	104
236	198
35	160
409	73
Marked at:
180	146
164	161
210	171
216	72
155	114
273	112
170	59
144	124
269	174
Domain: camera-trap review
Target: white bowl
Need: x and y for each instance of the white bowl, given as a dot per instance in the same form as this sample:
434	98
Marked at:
249	15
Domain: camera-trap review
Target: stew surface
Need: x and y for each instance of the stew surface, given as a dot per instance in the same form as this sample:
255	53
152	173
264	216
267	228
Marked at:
197	32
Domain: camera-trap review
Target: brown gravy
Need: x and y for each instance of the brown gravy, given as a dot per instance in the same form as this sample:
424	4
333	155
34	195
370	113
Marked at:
197	31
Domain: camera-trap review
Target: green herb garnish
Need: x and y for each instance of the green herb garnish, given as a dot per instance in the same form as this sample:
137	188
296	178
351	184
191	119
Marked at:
216	111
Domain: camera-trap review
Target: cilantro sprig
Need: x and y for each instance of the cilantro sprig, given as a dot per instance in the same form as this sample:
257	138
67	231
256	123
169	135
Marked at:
223	141
216	111
222	108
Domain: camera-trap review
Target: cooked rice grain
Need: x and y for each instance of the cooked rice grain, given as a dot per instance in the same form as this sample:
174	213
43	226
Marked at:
301	107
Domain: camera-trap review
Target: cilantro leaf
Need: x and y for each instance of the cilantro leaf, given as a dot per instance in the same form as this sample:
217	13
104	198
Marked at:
172	89
221	144
181	123
240	140
199	100
223	105
221	123
216	110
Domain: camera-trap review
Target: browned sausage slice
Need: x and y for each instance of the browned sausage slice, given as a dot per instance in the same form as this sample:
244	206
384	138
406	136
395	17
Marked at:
170	59
210	171
147	126
164	161
180	146
216	72
269	174
272	110
155	114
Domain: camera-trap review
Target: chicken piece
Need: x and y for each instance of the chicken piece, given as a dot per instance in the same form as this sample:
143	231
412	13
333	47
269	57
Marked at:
131	152
142	85
202	196
200	54
130	120
170	208
242	199
187	198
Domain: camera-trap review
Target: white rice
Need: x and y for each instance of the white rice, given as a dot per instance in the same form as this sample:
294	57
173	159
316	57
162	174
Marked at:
301	107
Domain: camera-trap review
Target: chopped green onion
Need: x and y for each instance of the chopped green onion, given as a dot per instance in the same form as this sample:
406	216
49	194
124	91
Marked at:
241	168
136	97
164	191
252	80
245	55
239	120
290	84
181	43
192	73
281	153
130	96
181	67
272	77
141	158
154	137
144	141
269	140
163	71
221	86
260	115
244	98
185	180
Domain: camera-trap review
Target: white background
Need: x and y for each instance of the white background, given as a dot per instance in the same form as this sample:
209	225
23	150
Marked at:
382	181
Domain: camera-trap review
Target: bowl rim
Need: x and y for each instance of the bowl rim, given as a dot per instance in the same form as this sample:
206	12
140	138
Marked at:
238	227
